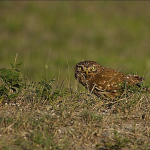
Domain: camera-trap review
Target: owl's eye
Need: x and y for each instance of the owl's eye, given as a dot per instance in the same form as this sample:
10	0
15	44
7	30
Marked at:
79	68
93	68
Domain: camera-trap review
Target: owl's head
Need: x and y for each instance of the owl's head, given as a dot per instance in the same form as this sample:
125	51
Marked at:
86	69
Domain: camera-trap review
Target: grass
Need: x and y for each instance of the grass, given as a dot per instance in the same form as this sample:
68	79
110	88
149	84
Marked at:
41	104
42	116
50	35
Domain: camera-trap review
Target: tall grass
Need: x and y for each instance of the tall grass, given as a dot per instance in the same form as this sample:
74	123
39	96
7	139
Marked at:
50	35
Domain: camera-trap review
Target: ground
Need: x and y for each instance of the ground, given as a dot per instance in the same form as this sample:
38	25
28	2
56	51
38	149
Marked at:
75	120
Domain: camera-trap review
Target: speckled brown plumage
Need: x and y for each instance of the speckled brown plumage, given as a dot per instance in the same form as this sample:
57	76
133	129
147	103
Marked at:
103	81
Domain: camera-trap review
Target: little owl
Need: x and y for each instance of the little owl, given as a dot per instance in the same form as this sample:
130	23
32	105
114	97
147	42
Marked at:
103	81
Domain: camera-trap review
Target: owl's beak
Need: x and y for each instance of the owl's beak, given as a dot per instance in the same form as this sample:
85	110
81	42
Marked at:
87	72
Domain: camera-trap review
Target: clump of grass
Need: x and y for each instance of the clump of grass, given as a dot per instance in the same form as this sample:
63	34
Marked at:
118	143
11	81
89	116
43	88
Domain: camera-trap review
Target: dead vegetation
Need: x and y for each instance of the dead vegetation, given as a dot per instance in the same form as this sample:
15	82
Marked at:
75	120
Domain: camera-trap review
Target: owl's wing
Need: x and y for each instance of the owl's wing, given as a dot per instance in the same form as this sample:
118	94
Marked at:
133	79
109	80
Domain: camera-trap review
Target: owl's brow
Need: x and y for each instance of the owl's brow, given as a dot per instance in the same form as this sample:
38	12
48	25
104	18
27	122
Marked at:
93	65
80	65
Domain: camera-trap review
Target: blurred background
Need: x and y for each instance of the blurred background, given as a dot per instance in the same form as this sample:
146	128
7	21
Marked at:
51	37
